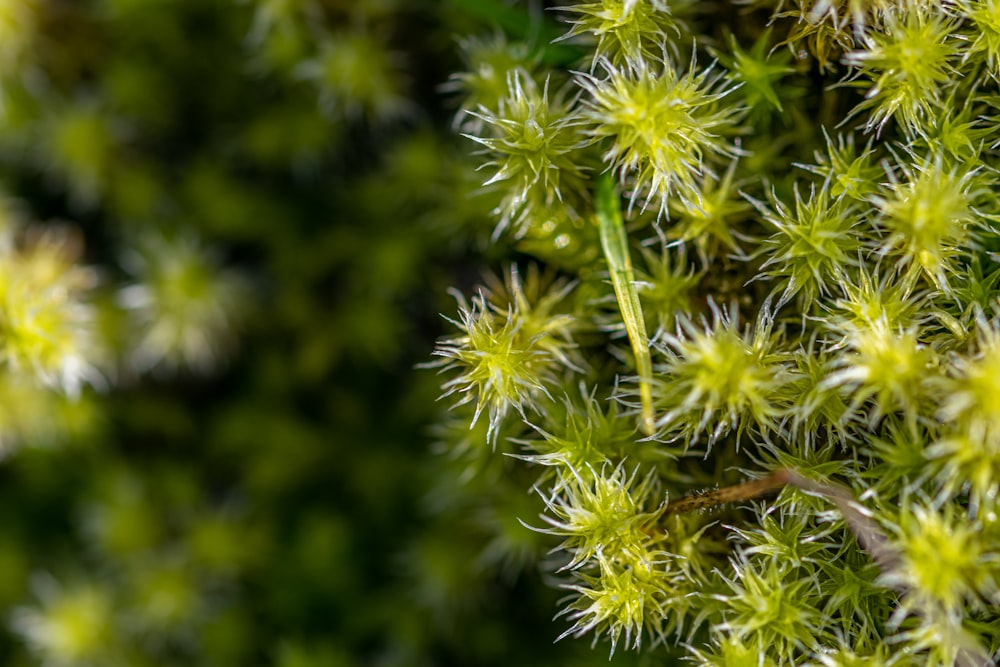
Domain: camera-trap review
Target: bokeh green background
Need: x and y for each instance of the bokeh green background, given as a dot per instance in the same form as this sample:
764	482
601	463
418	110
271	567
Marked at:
287	508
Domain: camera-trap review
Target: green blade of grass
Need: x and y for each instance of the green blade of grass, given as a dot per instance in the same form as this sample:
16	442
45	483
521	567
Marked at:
615	243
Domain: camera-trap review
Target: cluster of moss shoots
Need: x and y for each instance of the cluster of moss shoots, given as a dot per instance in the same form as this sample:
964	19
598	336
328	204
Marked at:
757	244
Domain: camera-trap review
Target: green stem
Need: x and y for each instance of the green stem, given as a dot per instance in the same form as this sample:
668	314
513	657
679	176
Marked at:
615	243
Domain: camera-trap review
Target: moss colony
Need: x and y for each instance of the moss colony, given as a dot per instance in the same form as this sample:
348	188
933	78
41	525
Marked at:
755	240
222	227
720	287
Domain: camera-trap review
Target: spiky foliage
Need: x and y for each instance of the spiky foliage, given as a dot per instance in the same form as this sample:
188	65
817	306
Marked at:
942	560
765	611
931	216
627	31
665	284
600	511
850	172
984	38
910	61
968	451
489	66
624	602
709	220
890	367
534	144
663	128
813	246
625	585
505	357
820	289
716	378
828	27
759	74
580	432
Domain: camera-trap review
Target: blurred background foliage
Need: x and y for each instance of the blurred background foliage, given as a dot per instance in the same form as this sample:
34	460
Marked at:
265	196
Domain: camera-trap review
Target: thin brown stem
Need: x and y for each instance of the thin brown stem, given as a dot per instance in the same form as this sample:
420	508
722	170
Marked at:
730	494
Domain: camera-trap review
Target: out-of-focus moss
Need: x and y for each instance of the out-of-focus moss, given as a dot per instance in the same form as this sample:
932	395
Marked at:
250	480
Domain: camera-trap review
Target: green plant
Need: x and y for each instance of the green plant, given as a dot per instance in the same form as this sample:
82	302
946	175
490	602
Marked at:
260	191
832	335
